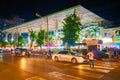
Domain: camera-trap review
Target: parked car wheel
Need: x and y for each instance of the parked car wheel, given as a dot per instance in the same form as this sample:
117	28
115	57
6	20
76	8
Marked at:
74	61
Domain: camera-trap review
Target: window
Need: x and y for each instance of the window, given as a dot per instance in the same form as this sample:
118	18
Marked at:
63	52
73	53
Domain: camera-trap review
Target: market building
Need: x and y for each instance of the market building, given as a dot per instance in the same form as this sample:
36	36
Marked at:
53	24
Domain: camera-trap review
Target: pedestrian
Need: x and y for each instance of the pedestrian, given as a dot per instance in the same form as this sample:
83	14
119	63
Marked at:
90	55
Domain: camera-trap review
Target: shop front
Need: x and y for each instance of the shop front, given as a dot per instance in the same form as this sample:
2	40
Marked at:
94	44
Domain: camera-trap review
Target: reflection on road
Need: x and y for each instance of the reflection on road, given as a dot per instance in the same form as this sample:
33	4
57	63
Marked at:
23	63
46	69
1	58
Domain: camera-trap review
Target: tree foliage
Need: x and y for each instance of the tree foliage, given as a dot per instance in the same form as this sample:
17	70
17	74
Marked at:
21	41
42	37
91	30
13	43
33	36
117	32
71	29
4	44
51	39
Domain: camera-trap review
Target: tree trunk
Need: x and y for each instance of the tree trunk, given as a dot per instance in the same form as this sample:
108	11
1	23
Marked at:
31	44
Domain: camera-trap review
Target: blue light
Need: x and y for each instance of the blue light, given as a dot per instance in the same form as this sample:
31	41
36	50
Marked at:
118	37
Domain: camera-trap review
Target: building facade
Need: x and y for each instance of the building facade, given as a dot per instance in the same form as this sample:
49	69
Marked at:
52	23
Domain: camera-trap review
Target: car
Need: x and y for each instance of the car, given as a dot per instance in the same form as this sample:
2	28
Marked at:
69	56
21	52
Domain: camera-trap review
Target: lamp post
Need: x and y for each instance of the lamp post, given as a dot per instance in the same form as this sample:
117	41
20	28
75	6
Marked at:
47	33
47	28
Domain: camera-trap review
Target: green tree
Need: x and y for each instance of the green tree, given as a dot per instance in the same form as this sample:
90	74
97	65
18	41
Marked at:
33	36
2	39
42	37
4	44
93	31
0	44
13	43
21	41
117	32
85	33
1	36
71	29
51	39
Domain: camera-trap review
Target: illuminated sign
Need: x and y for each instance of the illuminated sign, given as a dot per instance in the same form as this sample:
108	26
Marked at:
90	41
107	40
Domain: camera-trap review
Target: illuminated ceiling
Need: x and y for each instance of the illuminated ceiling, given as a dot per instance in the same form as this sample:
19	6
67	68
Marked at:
56	19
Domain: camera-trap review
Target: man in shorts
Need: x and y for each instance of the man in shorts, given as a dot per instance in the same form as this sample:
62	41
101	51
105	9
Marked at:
90	55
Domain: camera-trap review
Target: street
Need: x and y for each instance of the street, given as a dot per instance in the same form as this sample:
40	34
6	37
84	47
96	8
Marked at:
37	68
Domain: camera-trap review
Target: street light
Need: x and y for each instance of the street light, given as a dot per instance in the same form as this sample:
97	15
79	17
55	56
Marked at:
38	15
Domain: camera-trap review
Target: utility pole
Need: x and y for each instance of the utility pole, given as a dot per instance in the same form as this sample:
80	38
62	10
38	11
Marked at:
17	37
47	26
47	32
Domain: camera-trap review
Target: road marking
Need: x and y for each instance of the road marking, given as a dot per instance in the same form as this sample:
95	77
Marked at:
62	76
104	67
97	68
90	74
35	78
66	64
87	66
102	70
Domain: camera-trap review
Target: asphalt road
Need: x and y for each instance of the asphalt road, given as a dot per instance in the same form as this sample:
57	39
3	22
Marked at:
37	68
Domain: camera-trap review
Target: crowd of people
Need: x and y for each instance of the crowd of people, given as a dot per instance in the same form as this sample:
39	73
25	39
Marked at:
106	53
111	53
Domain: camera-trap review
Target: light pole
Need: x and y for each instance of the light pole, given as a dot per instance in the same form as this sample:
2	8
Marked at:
47	28
17	38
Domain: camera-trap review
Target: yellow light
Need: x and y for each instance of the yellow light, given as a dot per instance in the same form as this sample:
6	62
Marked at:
23	63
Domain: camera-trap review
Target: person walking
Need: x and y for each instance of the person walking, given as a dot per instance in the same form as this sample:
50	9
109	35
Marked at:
90	55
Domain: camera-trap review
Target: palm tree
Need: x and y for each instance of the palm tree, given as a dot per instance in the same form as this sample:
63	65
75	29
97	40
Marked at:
51	39
117	32
93	31
13	43
21	41
42	37
85	33
33	36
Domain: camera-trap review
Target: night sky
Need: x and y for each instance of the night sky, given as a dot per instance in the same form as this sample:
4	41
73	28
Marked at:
108	9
